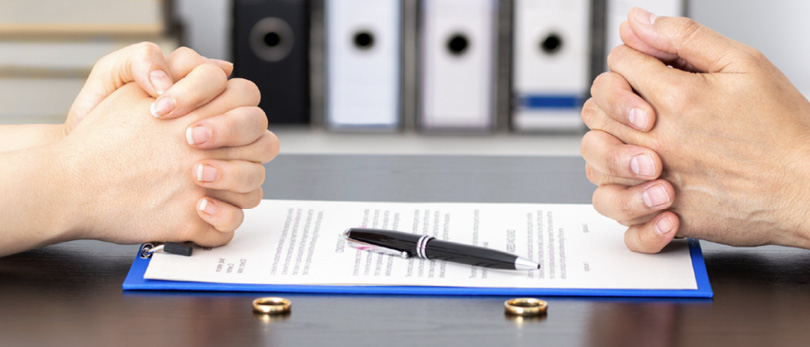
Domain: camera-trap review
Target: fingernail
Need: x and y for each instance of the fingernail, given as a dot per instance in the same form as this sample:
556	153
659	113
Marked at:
663	226
197	135
655	196
207	206
644	17
638	118
160	81
162	106
206	173
643	165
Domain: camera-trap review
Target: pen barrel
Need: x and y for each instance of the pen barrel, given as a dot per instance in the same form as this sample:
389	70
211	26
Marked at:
396	240
472	255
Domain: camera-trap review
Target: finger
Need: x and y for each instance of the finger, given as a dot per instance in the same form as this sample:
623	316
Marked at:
142	62
240	200
204	83
184	59
238	92
703	48
237	127
599	178
596	119
262	150
232	175
624	203
648	76
613	157
226	66
639	220
617	99
632	40
224	217
199	231
654	235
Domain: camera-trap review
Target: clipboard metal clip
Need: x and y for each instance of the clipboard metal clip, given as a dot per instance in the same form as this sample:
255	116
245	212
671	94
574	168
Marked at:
149	248
364	246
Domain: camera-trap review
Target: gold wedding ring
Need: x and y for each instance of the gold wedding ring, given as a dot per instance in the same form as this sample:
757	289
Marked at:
525	307
271	305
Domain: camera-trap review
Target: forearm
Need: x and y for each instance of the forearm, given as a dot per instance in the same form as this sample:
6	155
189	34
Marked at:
16	137
34	200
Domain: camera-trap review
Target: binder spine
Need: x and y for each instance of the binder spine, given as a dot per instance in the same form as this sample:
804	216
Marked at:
457	65
551	64
363	64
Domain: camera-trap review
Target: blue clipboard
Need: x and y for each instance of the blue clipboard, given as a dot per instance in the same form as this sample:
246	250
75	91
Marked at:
135	281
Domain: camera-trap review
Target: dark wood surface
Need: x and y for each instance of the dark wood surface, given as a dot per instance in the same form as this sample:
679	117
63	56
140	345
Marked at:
70	294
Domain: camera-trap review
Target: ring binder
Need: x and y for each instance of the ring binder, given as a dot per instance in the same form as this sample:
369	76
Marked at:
551	64
363	64
458	46
271	48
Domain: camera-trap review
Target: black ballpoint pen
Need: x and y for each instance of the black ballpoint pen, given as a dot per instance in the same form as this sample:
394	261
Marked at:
427	247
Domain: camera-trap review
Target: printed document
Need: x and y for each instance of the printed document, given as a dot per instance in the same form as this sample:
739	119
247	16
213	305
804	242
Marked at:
301	242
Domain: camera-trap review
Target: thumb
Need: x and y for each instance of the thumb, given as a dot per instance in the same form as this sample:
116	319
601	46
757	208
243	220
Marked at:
681	42
142	63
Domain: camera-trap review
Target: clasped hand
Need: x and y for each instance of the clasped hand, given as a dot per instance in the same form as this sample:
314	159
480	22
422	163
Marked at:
153	149
696	135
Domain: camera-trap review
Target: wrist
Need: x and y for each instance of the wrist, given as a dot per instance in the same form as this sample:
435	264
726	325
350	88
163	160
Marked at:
795	230
17	137
35	204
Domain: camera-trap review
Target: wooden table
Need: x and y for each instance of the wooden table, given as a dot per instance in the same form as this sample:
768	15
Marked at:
70	294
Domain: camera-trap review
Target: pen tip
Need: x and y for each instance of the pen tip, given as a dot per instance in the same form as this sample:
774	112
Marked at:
526	264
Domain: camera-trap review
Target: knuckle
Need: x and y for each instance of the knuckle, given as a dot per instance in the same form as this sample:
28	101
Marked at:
253	199
189	231
587	144
615	56
183	57
254	180
631	239
247	88
597	202
599	81
752	55
624	206
261	175
184	51
592	175
225	238
689	29
212	70
262	117
269	146
104	63
237	219
682	99
147	48
588	113
257	199
615	163
227	126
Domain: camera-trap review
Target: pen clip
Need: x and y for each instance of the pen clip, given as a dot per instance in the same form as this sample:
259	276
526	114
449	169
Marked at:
365	246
